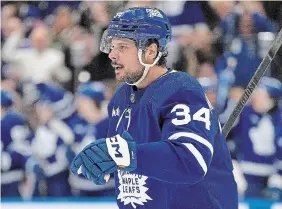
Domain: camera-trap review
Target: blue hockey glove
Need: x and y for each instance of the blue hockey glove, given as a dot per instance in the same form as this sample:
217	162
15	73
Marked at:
104	156
69	154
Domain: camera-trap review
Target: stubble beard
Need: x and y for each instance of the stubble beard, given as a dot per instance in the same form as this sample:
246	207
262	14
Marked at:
132	77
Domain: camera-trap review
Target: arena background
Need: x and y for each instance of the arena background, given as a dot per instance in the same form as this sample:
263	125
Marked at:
201	45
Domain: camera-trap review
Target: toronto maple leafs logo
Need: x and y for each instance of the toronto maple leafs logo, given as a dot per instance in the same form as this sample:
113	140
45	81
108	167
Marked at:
262	137
132	189
154	13
119	14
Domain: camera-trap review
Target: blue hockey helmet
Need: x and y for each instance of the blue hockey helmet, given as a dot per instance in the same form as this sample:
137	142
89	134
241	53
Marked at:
92	90
6	99
272	86
139	24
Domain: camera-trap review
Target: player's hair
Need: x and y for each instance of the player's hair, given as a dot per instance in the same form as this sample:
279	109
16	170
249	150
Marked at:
162	61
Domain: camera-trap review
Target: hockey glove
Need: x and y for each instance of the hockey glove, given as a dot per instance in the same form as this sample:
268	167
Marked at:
105	156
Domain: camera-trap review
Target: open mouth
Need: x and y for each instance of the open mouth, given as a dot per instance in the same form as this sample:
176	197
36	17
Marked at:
117	67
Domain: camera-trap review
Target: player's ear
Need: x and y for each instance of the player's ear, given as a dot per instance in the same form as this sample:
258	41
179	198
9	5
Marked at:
150	53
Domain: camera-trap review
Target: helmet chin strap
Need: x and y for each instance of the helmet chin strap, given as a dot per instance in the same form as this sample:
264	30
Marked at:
147	66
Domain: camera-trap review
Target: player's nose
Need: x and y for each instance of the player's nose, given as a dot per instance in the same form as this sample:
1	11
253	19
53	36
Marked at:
113	55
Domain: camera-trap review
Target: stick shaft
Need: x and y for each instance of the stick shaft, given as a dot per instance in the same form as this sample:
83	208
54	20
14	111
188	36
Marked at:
275	46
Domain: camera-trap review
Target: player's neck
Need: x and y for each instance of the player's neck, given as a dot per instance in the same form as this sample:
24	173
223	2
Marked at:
154	73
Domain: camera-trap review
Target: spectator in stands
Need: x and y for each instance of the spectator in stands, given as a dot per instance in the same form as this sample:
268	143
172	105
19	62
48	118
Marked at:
77	44
190	34
37	63
256	135
15	148
8	11
26	55
62	27
100	67
245	47
231	14
60	127
130	4
90	99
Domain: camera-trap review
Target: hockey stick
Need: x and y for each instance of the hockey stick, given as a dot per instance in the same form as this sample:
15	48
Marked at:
275	46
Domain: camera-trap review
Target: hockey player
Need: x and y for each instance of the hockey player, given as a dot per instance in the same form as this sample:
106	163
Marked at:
15	149
257	137
165	144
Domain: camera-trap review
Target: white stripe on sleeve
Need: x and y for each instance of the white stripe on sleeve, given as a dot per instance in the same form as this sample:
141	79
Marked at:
198	156
193	136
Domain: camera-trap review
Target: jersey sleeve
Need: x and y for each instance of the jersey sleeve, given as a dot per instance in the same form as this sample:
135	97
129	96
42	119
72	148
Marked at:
189	128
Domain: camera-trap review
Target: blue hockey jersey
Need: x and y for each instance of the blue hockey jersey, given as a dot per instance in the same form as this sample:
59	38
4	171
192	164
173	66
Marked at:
182	158
50	146
257	138
14	147
55	136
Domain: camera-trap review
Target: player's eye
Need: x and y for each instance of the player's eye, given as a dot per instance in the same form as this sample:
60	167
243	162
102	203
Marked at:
122	48
111	48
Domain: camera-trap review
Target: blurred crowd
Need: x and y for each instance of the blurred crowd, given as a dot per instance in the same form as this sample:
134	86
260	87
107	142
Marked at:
55	86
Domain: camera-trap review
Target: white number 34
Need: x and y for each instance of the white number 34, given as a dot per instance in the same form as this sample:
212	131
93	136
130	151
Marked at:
183	110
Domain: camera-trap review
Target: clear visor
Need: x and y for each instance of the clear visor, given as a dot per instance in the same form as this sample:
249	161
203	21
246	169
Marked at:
106	40
105	43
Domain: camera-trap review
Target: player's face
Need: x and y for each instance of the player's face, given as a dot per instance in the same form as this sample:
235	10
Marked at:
124	56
